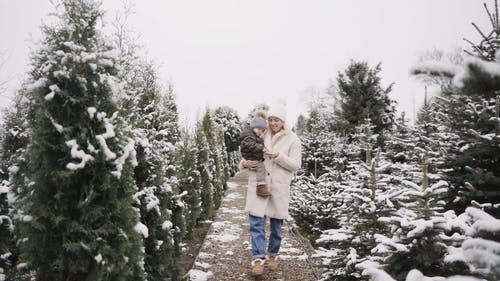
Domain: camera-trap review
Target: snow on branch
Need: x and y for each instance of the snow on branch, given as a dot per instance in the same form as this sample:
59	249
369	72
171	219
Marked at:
377	274
414	275
389	242
483	222
108	134
435	68
473	66
77	154
334	235
128	151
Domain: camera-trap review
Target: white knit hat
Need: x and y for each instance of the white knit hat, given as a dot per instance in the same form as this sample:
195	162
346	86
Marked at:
277	110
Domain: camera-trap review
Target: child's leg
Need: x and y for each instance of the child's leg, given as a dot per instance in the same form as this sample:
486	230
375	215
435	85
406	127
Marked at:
261	181
261	173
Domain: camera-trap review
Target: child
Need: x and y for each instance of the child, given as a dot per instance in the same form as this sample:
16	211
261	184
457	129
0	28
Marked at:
252	148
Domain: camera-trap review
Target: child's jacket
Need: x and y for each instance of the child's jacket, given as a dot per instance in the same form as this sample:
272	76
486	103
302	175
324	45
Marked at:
251	145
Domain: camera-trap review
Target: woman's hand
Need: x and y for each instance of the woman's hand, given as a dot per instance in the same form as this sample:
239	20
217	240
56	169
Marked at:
271	154
251	164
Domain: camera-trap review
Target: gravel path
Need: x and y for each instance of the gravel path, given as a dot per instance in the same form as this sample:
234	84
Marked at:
226	251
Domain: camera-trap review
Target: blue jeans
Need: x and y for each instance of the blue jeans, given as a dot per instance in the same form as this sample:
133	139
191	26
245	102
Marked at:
258	235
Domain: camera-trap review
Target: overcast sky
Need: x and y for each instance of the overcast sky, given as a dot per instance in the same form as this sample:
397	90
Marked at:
240	53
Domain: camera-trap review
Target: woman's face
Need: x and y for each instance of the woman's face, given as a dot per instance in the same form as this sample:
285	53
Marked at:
275	124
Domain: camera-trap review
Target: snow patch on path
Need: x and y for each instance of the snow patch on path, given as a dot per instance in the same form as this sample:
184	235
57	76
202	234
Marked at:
204	256
231	210
232	196
232	185
225	231
198	275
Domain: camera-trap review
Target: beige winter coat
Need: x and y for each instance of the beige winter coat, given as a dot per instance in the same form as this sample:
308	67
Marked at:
279	174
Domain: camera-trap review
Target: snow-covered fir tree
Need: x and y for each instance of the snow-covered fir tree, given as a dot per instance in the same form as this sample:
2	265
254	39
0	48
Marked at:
416	228
472	166
400	142
320	145
313	202
77	219
151	112
215	164
212	164
300	125
224	170
227	120
367	195
348	207
205	167
14	139
365	138
157	197
323	149
189	181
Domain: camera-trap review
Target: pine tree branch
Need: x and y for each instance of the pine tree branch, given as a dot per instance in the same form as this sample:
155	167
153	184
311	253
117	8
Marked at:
480	32
479	51
492	20
434	73
496	14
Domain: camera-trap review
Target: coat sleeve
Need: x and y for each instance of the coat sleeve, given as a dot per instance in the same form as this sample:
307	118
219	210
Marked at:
293	161
250	144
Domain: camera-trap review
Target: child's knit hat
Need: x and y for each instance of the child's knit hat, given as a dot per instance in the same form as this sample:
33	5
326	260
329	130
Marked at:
259	121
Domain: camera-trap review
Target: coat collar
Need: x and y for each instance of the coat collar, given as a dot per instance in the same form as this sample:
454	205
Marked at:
274	138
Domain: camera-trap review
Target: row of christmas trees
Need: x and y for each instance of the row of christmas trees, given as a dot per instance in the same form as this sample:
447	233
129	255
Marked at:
386	200
98	180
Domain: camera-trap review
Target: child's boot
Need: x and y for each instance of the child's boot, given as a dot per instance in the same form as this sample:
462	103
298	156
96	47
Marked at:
262	191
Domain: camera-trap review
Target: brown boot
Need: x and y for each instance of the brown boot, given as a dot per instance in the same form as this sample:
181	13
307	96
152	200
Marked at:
262	191
258	267
272	263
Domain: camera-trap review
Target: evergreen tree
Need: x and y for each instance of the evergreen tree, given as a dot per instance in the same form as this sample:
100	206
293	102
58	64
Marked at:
189	181
416	229
212	164
300	125
14	139
226	119
364	137
6	231
215	163
323	149
361	96
366	197
206	169
151	111
475	167
78	221
313	202
472	165
157	195
355	200
400	144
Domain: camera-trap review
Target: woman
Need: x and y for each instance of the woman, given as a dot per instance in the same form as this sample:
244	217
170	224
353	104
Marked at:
282	160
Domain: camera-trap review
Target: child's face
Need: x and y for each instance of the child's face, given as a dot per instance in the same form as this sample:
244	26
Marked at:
259	131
